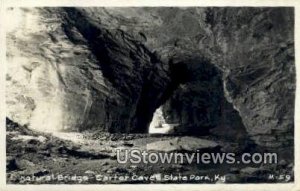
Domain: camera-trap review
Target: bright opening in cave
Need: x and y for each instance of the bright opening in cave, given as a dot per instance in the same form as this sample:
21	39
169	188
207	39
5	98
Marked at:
159	125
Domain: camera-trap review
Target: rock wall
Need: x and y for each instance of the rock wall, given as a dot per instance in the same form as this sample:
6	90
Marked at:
110	68
256	49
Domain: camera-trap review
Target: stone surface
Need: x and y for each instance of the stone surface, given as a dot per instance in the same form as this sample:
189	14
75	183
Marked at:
83	158
30	139
189	144
72	69
163	146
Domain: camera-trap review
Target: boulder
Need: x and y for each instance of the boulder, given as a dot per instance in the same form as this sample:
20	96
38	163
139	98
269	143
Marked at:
187	144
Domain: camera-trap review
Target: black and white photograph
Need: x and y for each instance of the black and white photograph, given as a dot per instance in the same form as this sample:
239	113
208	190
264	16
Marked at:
98	95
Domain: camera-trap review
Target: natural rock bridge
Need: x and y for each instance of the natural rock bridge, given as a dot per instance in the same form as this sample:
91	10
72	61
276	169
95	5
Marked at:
210	70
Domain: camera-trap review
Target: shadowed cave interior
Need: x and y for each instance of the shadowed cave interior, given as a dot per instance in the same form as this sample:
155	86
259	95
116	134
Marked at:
190	93
195	103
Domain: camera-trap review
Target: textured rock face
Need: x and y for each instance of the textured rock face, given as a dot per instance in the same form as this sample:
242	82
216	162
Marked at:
209	69
257	50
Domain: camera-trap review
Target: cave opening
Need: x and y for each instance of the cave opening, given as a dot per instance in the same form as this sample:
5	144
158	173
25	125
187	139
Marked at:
192	103
195	104
179	75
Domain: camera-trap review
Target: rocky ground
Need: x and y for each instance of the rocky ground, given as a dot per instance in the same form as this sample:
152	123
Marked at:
32	157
